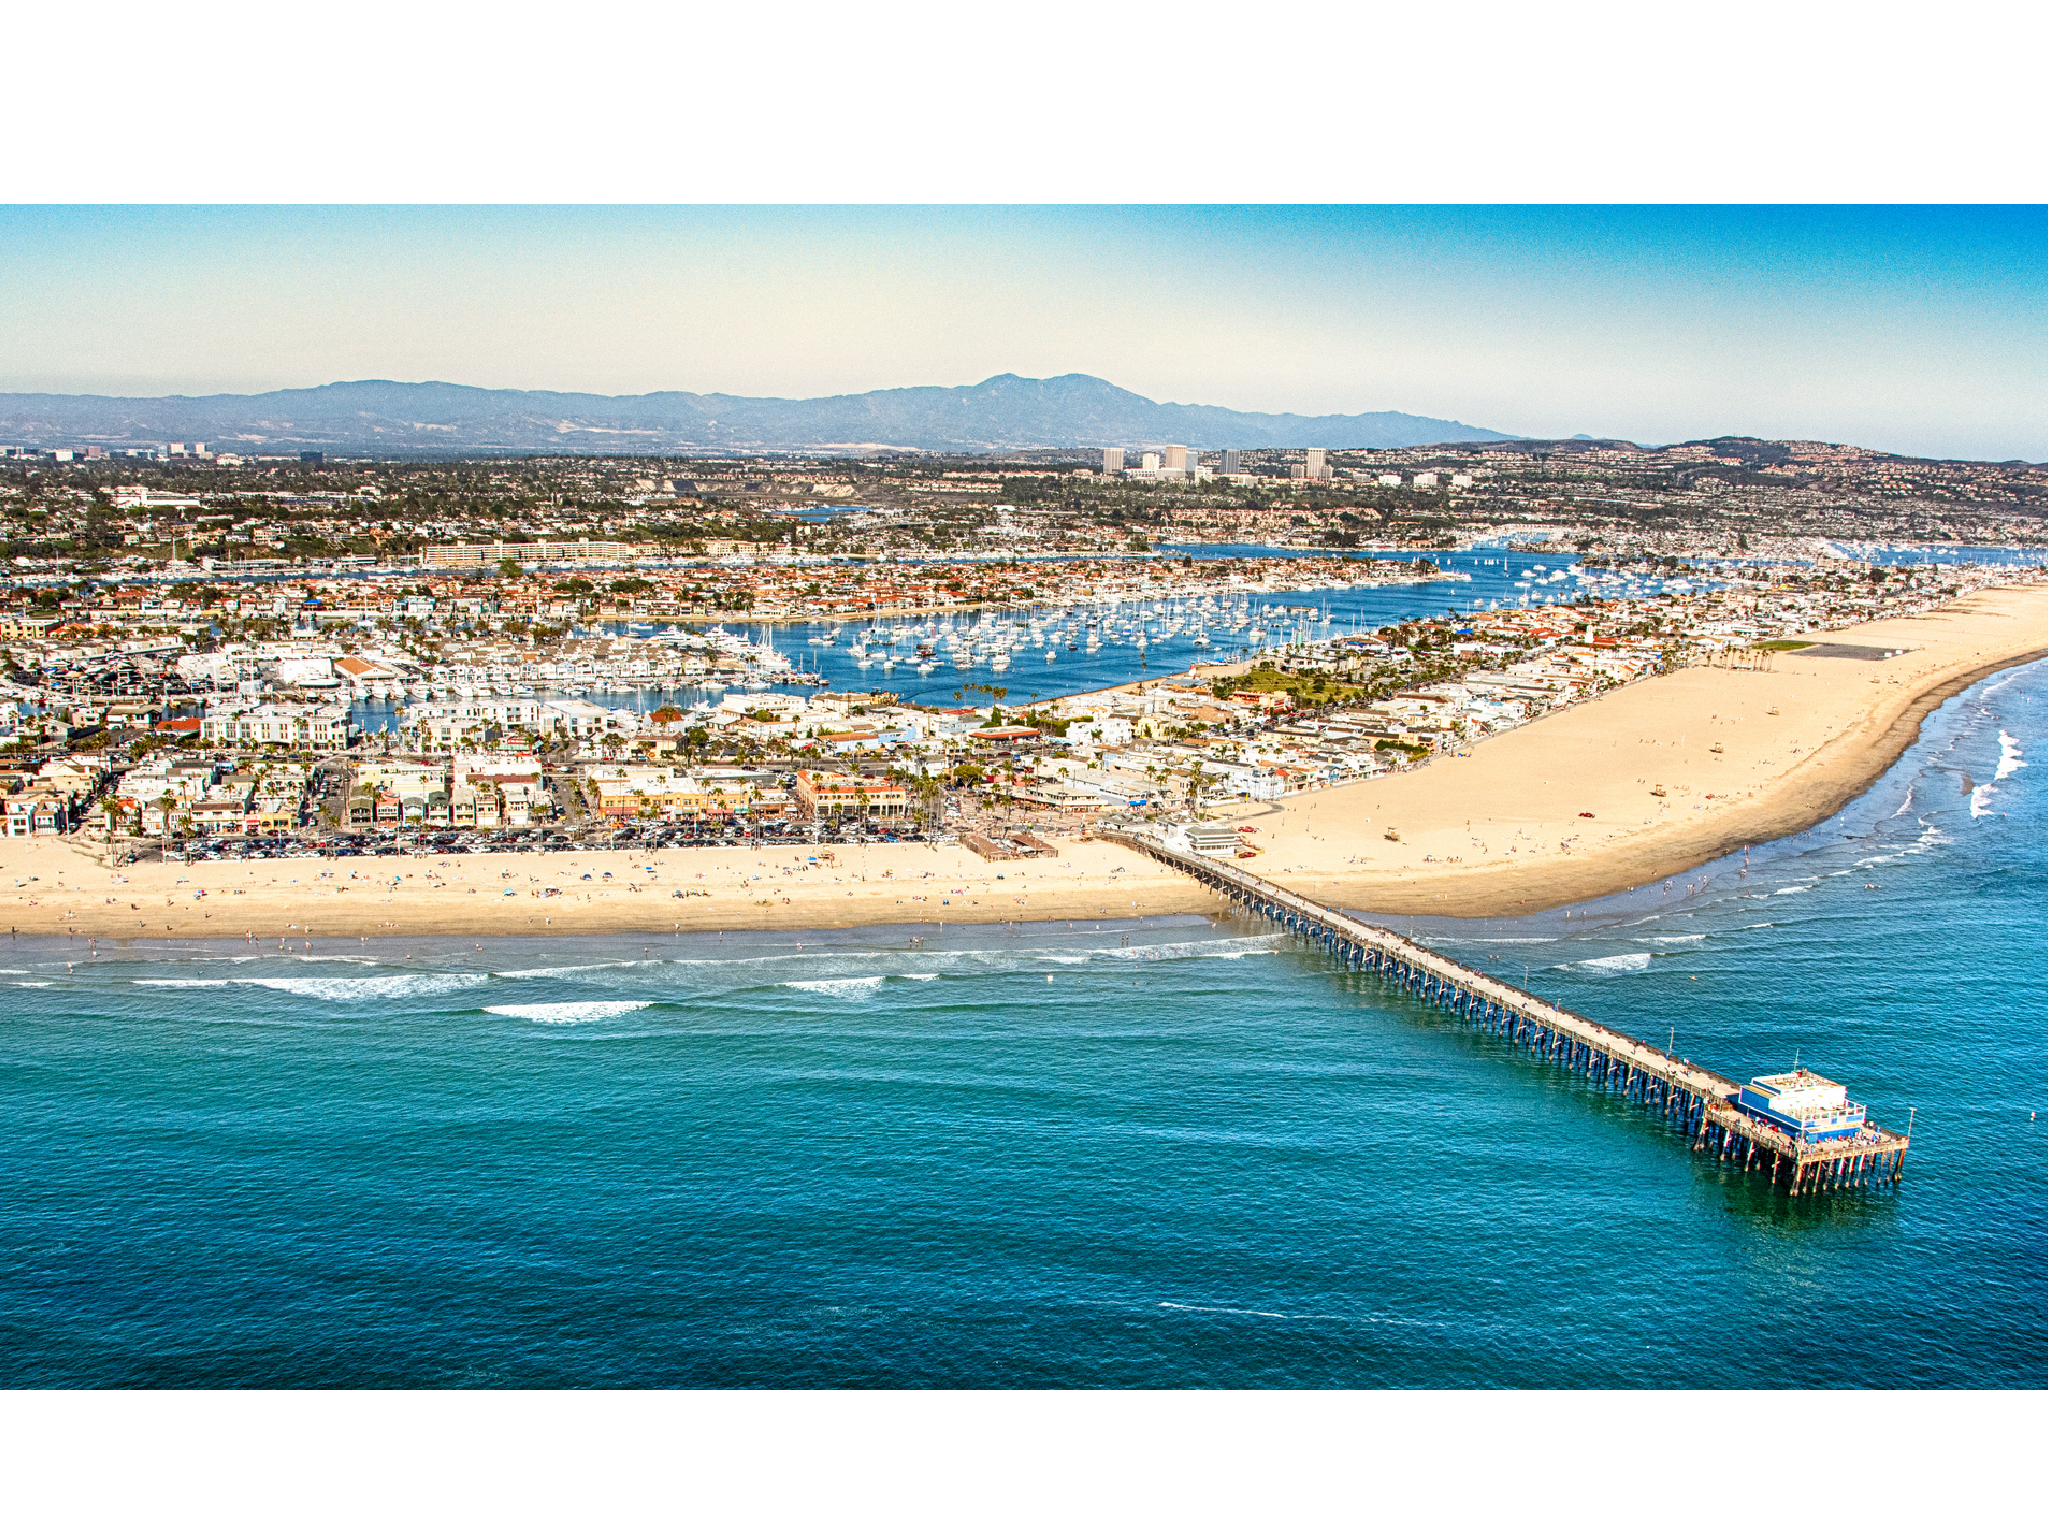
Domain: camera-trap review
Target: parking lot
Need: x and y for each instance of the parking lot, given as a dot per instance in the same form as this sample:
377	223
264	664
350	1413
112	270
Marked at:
444	841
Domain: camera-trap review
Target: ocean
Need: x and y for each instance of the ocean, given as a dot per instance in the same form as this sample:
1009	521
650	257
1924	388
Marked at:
1173	1153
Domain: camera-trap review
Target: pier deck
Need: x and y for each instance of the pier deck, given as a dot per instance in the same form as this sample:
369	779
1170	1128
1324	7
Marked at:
1693	1098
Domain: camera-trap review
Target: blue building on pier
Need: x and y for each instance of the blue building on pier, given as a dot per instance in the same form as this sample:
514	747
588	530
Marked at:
1803	1105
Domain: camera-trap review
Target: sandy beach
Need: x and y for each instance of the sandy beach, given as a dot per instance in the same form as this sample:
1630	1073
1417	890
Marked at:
1743	757
58	887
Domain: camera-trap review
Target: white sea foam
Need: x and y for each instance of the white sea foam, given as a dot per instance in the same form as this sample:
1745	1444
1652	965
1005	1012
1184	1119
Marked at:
1635	962
1194	949
921	976
1028	959
356	989
821	955
30	983
1792	890
842	986
181	983
566	970
10	971
566	1013
1980	801
2009	759
1683	938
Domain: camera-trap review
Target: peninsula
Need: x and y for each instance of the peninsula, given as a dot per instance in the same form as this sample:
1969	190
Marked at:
1741	755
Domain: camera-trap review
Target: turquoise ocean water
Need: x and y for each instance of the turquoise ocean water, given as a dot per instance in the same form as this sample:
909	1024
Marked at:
1135	1154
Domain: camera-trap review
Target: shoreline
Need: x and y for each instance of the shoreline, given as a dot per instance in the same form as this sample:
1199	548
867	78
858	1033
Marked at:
1879	705
1787	819
1480	834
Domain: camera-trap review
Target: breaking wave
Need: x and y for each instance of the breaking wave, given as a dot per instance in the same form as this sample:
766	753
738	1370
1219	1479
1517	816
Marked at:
566	1013
1634	962
356	989
565	970
1194	949
2009	759
843	986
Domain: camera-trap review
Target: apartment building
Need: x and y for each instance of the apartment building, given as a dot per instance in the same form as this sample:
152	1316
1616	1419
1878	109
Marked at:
319	727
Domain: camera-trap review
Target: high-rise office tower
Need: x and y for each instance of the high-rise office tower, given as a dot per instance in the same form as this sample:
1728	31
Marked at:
1230	462
1318	466
1176	456
1112	461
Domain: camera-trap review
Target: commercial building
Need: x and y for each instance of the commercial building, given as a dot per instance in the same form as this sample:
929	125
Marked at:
541	552
1802	1104
822	794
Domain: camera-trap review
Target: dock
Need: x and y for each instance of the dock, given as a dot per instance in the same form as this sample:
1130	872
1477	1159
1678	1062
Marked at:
1697	1102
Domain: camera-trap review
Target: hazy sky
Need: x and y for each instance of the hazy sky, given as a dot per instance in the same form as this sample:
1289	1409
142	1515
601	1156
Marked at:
1920	330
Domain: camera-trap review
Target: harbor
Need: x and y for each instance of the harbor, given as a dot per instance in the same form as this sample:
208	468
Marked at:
1796	1128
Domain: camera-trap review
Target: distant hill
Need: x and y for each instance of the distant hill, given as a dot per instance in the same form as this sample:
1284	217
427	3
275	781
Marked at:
1005	412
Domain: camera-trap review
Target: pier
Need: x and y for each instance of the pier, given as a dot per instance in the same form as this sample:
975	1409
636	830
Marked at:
1697	1102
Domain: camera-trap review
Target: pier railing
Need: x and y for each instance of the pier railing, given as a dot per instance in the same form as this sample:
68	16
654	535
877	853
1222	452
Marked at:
1697	1101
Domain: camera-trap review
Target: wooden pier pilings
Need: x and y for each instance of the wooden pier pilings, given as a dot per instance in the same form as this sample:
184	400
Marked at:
1694	1100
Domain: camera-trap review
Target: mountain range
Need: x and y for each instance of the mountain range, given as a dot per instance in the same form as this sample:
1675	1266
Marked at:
1003	413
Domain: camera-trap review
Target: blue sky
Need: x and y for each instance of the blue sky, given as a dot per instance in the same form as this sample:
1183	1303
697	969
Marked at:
1915	329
